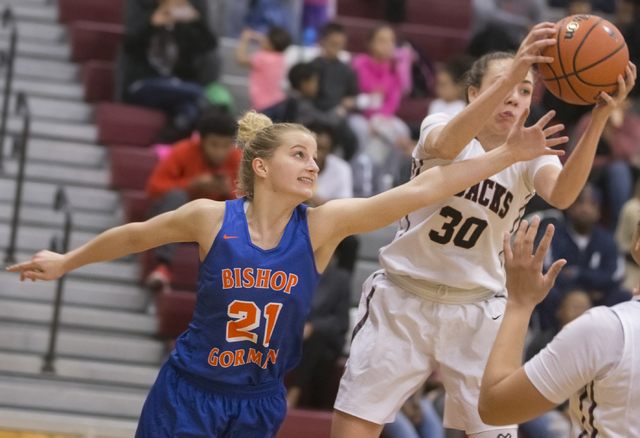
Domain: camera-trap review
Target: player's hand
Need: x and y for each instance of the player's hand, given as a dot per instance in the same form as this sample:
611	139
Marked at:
45	265
606	103
541	35
525	283
528	143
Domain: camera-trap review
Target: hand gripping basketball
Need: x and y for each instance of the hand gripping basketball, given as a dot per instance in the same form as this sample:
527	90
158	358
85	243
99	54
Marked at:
530	51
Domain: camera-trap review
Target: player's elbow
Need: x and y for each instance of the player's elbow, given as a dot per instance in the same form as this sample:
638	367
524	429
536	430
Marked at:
490	411
442	150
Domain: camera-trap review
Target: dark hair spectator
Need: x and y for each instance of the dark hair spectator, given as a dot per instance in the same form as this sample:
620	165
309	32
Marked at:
279	38
332	28
213	122
300	73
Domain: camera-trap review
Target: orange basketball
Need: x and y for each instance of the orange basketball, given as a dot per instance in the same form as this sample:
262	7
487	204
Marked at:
589	56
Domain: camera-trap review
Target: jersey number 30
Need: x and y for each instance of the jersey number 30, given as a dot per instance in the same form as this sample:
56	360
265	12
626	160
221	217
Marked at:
247	318
460	237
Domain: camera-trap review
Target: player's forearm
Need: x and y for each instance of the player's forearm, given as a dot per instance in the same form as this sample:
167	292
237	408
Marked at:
465	126
110	245
576	170
442	182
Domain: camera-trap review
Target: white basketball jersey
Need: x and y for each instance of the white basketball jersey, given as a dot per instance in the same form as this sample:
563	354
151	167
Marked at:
610	407
458	242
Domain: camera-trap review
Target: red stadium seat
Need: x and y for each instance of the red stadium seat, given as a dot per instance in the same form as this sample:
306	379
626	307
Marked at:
184	267
175	312
95	41
452	14
439	44
413	111
104	11
127	124
131	166
98	79
136	205
307	424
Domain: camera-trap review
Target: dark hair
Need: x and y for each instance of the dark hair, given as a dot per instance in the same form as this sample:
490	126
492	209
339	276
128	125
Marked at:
300	73
320	128
279	38
260	138
474	77
373	32
330	29
217	122
458	67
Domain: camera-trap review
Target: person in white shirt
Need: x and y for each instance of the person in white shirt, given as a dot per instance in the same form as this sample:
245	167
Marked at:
439	299
594	361
335	179
450	87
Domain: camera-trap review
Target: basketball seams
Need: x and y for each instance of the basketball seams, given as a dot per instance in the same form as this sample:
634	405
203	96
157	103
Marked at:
575	73
562	66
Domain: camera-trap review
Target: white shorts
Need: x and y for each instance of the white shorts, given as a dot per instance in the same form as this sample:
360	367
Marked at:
399	339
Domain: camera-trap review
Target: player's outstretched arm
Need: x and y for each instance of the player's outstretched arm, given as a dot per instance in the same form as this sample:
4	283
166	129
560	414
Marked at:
560	188
448	141
189	223
507	396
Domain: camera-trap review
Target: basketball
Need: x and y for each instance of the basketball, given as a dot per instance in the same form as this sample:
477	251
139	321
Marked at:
588	57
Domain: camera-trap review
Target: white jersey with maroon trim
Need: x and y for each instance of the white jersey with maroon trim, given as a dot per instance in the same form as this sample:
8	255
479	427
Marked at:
458	242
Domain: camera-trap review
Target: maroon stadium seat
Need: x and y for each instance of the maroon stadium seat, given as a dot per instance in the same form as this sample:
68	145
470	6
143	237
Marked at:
131	166
127	124
184	267
439	44
307	424
175	311
372	9
413	111
95	41
104	11
136	205
453	14
98	79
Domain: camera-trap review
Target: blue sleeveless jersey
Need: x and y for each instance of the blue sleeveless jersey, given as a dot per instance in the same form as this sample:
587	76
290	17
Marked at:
251	305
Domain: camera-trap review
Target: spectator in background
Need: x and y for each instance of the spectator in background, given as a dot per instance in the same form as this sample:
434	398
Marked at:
593	261
167	58
555	423
450	85
618	151
377	128
417	418
627	225
262	15
335	180
606	6
204	166
323	337
268	66
338	84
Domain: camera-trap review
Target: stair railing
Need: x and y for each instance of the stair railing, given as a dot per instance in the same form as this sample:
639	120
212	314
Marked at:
7	58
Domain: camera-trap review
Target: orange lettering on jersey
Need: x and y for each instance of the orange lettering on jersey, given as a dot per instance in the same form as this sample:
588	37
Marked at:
292	281
236	272
227	279
254	356
262	279
239	358
247	275
226	359
213	357
272	356
278	280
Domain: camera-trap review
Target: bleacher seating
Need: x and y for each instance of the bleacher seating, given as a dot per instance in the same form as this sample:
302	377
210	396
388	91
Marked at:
175	311
95	41
98	80
306	423
136	205
102	11
127	124
184	267
131	166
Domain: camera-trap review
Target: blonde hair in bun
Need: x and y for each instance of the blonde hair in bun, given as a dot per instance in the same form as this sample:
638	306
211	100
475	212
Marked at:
260	138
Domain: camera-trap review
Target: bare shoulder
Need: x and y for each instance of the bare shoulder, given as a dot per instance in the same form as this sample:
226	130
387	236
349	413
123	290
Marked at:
203	215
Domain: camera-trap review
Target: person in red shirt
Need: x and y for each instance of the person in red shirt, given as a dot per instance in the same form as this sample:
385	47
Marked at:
203	166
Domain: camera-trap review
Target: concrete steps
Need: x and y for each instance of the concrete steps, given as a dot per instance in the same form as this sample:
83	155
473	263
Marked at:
60	174
61	396
48	70
33	47
54	220
55	130
61	152
110	321
82	344
42	88
77	292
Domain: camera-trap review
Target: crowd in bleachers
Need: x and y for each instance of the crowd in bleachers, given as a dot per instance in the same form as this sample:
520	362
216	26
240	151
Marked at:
382	66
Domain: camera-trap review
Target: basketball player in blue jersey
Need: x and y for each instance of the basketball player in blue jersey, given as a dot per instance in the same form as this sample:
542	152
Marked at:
261	257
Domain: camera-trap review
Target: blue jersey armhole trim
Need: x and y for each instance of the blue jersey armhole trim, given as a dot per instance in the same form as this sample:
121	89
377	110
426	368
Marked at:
227	211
